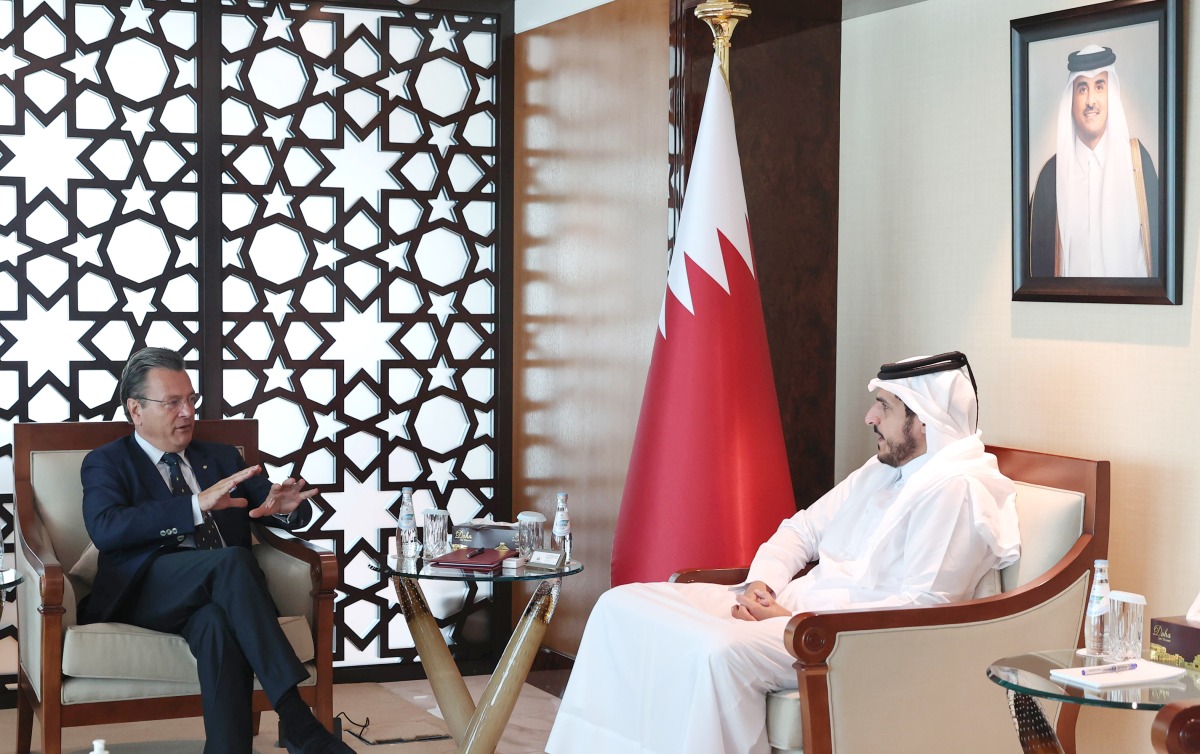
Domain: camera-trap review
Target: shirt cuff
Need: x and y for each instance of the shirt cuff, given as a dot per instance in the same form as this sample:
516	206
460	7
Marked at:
197	514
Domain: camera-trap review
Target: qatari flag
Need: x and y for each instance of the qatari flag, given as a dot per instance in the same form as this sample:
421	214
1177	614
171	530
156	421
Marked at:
708	480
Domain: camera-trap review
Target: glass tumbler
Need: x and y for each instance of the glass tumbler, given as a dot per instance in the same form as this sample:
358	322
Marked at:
530	526
1123	626
437	533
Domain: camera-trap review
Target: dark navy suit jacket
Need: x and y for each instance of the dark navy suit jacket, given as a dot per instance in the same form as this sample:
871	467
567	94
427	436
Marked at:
132	517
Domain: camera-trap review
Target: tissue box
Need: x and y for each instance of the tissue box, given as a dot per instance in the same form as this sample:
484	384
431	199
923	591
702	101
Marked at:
477	533
1175	641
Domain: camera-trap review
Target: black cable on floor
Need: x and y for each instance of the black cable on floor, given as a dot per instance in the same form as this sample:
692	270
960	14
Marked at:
362	728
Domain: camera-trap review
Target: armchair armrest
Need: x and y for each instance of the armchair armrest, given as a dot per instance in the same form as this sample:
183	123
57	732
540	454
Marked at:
710	575
934	652
40	609
722	575
33	545
280	552
280	558
1177	729
810	636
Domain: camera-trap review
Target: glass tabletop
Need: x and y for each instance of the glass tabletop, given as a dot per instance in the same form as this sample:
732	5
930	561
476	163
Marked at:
1030	674
9	578
416	569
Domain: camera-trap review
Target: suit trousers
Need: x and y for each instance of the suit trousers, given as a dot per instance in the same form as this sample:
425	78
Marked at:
218	601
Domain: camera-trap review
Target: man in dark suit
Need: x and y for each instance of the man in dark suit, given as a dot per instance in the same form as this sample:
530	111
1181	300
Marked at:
171	519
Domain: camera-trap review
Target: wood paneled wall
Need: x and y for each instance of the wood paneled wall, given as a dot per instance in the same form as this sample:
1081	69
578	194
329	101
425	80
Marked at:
590	270
592	188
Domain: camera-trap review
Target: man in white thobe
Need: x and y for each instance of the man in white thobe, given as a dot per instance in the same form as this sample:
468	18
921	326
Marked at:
684	668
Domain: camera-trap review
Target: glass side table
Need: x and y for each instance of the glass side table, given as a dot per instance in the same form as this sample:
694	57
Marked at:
1026	679
476	728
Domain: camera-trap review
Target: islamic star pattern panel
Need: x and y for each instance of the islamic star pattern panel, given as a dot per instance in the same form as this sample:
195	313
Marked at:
98	205
359	215
359	151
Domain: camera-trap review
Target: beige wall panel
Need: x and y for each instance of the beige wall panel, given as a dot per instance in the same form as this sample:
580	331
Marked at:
590	269
925	266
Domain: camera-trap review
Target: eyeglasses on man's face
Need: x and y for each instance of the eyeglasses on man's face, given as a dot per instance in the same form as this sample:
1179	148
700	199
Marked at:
173	405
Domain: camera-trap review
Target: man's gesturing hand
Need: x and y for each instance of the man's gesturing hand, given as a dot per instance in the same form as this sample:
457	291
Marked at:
284	498
217	496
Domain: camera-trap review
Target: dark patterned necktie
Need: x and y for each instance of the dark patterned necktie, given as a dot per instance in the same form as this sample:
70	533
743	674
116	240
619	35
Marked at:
206	535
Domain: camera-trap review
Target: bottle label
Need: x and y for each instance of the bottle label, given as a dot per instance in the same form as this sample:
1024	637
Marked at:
1097	605
408	520
562	525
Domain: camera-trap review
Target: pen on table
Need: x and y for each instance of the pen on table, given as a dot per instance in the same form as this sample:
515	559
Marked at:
475	552
1108	669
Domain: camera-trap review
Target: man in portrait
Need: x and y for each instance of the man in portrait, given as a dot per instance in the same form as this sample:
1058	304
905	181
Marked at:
1094	211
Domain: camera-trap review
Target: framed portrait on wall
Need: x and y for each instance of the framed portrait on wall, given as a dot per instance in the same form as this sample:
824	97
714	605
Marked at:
1096	93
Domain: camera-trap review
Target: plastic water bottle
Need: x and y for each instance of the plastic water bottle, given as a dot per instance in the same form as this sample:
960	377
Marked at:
561	533
406	532
1093	632
98	747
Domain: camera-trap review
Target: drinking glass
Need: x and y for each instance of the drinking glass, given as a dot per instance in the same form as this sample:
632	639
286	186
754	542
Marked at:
1123	626
437	533
530	526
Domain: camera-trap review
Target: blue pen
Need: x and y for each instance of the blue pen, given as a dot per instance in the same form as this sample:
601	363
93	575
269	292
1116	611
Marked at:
1108	669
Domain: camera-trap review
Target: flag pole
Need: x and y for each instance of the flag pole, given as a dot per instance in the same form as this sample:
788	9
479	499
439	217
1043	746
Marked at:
722	16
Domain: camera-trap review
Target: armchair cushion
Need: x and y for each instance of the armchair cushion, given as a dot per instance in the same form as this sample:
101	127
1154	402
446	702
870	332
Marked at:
119	651
93	690
58	490
84	570
785	732
1051	521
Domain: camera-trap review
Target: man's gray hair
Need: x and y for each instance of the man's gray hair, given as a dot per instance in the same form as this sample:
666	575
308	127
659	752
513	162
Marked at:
133	376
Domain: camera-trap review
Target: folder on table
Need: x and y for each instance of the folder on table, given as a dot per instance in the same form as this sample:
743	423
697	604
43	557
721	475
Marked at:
473	558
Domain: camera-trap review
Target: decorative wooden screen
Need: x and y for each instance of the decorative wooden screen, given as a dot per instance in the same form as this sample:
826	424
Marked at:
306	199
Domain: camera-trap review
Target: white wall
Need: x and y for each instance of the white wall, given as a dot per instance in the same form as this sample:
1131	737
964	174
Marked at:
925	267
530	14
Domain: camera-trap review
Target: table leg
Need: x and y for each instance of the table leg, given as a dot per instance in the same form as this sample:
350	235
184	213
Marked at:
448	686
1034	731
500	697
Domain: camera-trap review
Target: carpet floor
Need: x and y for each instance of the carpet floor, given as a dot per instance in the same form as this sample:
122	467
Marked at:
399	718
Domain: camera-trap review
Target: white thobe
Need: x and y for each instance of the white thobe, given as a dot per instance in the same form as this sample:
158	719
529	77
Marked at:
1091	250
1085	257
665	668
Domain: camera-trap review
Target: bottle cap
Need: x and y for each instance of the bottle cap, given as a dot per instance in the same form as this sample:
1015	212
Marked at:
98	746
531	516
1102	562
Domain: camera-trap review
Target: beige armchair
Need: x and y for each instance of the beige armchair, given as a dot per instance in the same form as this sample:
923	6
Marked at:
71	675
912	679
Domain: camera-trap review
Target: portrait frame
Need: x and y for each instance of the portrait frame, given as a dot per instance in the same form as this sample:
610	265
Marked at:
1145	36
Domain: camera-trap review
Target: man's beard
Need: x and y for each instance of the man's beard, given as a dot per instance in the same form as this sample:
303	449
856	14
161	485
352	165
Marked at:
899	453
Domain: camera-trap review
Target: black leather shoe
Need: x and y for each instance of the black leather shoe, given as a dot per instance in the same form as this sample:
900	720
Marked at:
326	744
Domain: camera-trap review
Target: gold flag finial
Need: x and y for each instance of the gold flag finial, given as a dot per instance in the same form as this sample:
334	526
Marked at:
722	16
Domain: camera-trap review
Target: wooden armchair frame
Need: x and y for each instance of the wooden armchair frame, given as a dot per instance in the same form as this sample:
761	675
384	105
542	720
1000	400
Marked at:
1177	729
812	637
47	581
